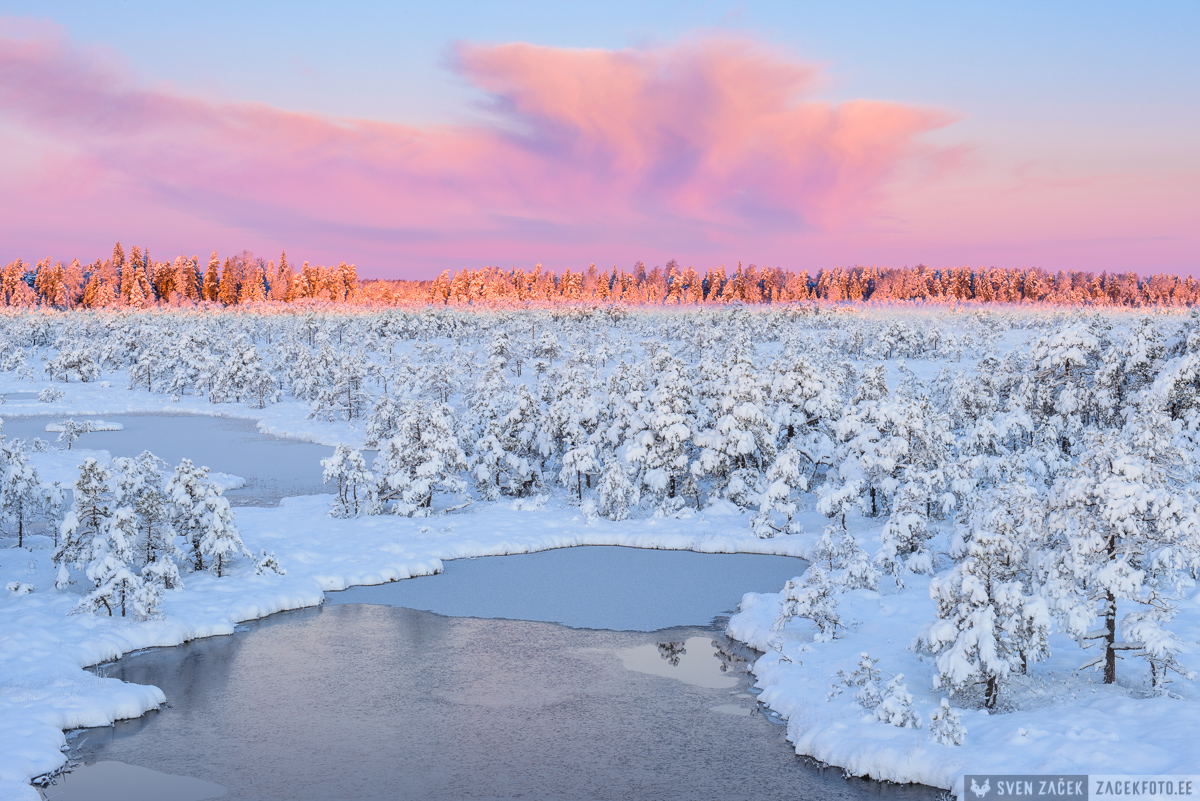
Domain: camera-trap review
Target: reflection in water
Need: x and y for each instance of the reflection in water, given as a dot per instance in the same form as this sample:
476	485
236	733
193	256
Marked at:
693	661
375	702
671	651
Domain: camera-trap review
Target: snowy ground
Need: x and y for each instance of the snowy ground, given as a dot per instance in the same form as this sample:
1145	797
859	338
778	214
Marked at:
1057	719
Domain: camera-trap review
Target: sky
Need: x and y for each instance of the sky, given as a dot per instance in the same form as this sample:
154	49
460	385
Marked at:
413	138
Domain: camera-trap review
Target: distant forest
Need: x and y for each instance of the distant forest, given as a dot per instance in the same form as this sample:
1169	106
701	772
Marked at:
133	280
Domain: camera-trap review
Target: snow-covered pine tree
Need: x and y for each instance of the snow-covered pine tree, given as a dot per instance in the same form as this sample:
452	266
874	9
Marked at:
896	706
507	460
86	519
615	493
1127	533
945	725
344	396
660	450
840	555
737	448
201	515
988	626
72	430
23	498
351	479
777	505
221	541
813	596
421	457
109	566
905	536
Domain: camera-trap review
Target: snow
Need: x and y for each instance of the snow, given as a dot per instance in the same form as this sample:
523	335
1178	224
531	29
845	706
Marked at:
46	690
96	425
688	452
1060	722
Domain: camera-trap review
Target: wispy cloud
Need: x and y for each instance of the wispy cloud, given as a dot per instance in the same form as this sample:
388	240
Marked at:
719	143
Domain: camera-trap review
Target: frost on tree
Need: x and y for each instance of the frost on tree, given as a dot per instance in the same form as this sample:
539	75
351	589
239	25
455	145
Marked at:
421	457
351	480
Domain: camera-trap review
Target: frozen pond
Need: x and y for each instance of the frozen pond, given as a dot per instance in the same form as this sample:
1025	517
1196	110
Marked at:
376	702
598	587
273	467
364	699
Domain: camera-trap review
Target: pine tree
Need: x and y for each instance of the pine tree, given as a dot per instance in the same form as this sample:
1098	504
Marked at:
988	627
776	506
660	450
23	498
1126	533
616	494
221	541
347	470
738	447
212	278
86	520
109	554
421	457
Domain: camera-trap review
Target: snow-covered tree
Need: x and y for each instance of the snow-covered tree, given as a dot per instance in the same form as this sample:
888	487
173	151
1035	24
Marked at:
72	430
616	494
201	515
813	596
660	449
1127	532
351	479
737	448
896	706
116	586
86	519
23	497
945	725
507	457
777	503
421	457
988	626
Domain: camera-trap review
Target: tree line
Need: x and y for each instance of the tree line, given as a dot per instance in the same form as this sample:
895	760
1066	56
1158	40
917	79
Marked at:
134	280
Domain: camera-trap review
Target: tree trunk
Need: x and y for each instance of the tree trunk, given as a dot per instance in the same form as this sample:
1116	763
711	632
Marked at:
1110	637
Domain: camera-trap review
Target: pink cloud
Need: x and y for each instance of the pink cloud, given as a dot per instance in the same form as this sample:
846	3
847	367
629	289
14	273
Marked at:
709	147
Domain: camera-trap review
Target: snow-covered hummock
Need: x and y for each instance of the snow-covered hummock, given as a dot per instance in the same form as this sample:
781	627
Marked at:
95	425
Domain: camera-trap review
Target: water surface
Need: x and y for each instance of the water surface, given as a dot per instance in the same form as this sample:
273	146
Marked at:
355	701
273	467
598	587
